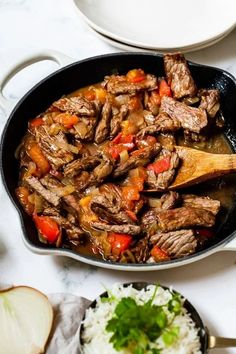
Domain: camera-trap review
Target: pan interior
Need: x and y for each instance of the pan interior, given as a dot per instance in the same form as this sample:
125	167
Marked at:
85	73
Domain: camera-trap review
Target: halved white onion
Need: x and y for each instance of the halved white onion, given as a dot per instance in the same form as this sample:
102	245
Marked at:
26	318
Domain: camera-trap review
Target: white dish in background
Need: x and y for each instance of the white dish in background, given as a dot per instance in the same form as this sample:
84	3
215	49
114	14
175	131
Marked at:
160	25
131	48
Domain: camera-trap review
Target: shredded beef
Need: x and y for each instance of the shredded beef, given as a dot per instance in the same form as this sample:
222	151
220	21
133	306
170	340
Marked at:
103	127
55	147
119	85
123	229
179	76
137	160
184	217
76	105
35	184
190	118
117	120
161	181
177	244
210	101
206	203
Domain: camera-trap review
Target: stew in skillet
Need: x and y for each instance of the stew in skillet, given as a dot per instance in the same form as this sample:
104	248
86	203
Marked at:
86	162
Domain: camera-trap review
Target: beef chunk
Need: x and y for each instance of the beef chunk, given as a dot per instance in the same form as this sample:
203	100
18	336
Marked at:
73	202
51	197
163	123
169	200
117	85
74	232
86	163
104	169
102	206
117	120
103	127
141	250
161	181
137	160
108	205
210	101
123	229
179	76
149	222
176	243
190	118
76	105
206	203
184	217
167	141
55	148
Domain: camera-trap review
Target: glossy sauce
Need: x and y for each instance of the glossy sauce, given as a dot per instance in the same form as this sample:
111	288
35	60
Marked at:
222	189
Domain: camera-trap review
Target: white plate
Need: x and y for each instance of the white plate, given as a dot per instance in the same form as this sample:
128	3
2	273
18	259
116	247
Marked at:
163	25
131	48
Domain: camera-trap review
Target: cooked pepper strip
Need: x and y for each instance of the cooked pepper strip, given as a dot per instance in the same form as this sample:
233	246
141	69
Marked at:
36	122
159	255
164	89
37	156
47	227
119	242
132	215
160	166
135	75
66	119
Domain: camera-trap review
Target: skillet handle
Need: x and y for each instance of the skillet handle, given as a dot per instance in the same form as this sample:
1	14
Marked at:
221	342
231	245
57	57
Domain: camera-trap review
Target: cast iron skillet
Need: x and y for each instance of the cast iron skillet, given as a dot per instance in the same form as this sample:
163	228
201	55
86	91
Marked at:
207	341
87	72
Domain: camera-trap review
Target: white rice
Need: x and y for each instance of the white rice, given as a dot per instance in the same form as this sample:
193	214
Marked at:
96	338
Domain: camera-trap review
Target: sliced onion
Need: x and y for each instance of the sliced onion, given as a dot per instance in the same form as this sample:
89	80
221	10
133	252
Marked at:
134	173
154	202
37	201
26	320
56	128
63	191
124	156
191	100
81	129
65	146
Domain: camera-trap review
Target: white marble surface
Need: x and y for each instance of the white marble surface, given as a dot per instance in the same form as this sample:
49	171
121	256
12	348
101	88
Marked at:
27	26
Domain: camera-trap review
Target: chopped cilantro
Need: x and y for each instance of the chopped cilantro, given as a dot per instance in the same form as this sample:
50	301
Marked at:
135	326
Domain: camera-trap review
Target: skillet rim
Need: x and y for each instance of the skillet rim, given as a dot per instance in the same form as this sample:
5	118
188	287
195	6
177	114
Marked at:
90	259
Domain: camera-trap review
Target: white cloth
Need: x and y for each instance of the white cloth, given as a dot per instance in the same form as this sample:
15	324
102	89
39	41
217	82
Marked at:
68	313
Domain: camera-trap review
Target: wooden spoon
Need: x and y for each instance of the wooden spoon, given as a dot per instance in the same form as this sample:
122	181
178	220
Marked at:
198	166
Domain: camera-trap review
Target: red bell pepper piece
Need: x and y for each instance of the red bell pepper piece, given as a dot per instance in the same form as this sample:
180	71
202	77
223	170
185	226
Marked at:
36	122
37	156
116	140
119	242
160	165
159	254
48	228
136	75
164	89
131	215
